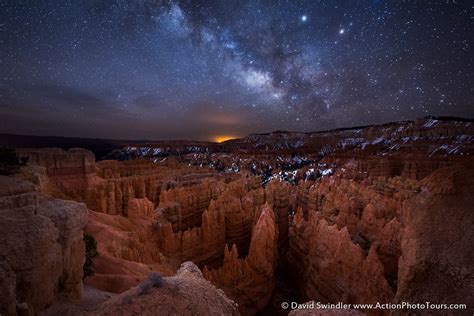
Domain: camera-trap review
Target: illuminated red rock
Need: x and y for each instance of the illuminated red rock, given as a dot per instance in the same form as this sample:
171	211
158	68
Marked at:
250	280
66	173
128	249
201	244
391	202
229	218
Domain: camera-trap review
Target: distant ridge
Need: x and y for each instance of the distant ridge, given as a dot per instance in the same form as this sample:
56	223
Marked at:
98	146
102	146
439	118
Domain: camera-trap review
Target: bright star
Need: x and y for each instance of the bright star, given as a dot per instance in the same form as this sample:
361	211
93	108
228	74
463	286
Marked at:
304	18
341	31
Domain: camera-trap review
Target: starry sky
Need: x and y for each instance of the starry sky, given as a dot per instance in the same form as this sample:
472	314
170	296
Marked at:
196	69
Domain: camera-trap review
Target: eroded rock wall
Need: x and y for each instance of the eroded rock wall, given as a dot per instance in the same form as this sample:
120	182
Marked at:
250	281
408	237
342	230
42	252
437	264
389	220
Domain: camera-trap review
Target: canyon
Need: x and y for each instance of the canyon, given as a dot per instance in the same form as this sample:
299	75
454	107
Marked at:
380	213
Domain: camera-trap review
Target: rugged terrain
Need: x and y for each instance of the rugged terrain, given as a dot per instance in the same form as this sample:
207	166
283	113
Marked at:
363	215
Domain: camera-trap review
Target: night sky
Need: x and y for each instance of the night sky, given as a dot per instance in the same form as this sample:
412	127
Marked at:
197	69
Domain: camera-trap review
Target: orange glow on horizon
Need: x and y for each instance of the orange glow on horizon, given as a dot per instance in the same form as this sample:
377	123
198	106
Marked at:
223	138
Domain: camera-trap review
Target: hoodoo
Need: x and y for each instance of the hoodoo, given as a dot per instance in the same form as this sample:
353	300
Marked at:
366	222
236	158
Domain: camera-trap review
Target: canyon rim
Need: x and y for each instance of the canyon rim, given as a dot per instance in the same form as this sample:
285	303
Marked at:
376	214
236	157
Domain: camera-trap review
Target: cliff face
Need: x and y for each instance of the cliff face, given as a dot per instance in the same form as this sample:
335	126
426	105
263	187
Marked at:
228	219
374	214
436	264
42	250
68	173
341	231
127	246
106	186
145	238
122	181
183	206
408	236
235	219
202	244
336	268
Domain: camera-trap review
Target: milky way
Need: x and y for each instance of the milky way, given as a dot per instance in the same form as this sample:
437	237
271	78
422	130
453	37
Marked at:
195	69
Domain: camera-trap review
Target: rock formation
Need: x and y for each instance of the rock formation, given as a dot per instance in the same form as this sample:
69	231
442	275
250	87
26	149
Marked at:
336	268
436	264
127	247
250	280
364	215
231	213
68	173
183	206
42	252
202	244
399	231
186	293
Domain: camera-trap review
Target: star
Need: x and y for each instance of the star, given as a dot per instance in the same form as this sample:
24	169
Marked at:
278	58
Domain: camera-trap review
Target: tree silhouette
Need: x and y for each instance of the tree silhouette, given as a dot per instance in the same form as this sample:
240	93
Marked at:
10	163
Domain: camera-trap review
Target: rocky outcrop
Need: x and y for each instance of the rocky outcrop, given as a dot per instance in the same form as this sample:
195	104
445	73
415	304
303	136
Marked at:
202	244
250	281
407	235
336	268
228	219
127	246
126	238
160	183
278	197
145	239
106	186
186	293
377	213
183	206
111	196
353	228
68	173
436	264
42	251
242	202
